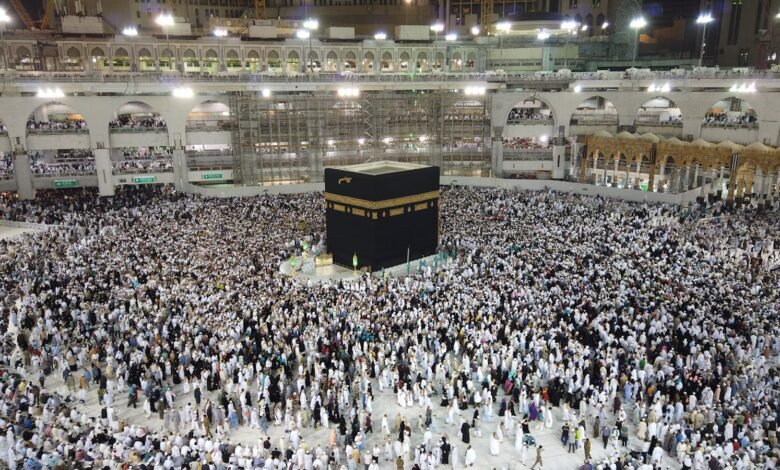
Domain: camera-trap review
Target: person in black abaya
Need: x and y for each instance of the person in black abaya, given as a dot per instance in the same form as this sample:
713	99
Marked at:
446	448
464	432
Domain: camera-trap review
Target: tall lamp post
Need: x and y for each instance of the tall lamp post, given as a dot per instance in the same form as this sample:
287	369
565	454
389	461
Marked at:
637	24
703	20
502	28
436	28
165	21
449	38
311	25
4	20
570	27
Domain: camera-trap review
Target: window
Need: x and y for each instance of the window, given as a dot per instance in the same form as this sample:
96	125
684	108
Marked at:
137	14
734	20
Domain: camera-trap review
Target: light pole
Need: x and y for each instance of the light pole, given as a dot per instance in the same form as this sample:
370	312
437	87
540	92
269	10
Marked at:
704	20
165	21
570	27
450	37
637	24
4	20
303	34
311	25
502	27
436	28
131	32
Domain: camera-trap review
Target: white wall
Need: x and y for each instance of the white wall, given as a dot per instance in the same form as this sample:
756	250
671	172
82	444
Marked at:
58	141
208	138
528	130
737	135
150	138
527	167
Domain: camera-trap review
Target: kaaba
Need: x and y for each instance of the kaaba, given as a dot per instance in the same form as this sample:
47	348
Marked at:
379	213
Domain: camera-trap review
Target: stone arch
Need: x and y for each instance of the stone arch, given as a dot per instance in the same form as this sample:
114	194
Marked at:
471	61
659	110
211	54
98	52
55	110
22	52
121	52
525	99
189	54
596	110
293	55
253	55
731	110
274	59
73	53
143	53
136	111
386	62
232	54
209	114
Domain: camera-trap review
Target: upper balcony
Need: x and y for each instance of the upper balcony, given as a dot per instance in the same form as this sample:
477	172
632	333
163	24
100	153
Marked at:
55	126
136	124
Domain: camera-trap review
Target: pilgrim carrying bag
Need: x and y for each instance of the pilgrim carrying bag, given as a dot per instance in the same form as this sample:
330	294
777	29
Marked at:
529	440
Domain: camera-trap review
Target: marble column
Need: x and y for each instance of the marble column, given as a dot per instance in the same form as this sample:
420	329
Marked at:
24	178
103	171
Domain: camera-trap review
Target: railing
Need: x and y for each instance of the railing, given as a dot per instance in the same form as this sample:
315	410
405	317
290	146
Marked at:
209	127
130	130
731	125
640	121
65	173
209	167
11	76
530	122
581	121
528	154
132	171
7	176
56	131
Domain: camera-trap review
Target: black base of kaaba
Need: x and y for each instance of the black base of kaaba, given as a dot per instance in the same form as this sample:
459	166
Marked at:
380	219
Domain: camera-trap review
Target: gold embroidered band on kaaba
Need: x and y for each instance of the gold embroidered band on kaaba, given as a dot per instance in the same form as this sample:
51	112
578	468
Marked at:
384	204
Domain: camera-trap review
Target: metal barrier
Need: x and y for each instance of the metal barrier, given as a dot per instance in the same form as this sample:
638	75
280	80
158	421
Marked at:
56	131
11	76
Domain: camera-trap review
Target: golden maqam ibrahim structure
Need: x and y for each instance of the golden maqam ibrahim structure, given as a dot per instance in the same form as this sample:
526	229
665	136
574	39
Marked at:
671	165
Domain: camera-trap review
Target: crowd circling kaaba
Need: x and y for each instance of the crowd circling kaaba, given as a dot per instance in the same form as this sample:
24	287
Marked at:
152	329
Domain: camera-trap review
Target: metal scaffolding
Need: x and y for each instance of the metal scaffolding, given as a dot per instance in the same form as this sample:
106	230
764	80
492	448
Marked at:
291	138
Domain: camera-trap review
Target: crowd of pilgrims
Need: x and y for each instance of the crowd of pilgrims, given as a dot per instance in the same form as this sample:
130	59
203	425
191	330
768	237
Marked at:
730	119
642	337
52	124
127	121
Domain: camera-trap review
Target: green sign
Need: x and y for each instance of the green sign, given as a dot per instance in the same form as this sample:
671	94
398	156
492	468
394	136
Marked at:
65	183
144	179
643	186
212	176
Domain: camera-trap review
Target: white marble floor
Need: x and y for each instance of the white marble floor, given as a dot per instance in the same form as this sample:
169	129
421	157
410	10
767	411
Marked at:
11	232
554	454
